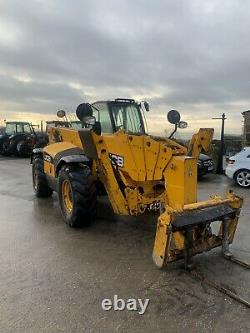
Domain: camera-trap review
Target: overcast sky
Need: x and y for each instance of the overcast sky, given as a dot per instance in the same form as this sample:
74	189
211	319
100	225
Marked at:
193	56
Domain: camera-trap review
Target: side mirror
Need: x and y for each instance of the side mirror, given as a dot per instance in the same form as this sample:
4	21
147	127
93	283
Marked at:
146	106
183	124
61	114
174	117
84	110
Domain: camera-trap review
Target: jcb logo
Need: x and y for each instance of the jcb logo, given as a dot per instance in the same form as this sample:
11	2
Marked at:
117	160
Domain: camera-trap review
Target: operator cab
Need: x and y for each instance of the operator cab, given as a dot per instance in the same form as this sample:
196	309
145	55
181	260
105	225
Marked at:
18	128
112	116
108	117
119	114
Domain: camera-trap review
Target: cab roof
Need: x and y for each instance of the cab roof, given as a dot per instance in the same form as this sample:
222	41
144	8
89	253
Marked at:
18	122
118	100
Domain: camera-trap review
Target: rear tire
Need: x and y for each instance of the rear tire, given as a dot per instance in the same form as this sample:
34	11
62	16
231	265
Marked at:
242	178
77	195
40	184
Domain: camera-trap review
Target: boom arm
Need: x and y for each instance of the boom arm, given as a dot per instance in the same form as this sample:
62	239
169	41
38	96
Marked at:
199	141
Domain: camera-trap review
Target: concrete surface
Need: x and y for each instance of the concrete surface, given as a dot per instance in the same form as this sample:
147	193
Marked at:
53	278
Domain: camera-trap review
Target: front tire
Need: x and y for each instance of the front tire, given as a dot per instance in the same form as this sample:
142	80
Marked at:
23	149
242	178
40	184
77	195
5	150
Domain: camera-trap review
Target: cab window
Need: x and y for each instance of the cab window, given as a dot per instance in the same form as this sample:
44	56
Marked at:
19	128
103	116
10	129
127	117
26	128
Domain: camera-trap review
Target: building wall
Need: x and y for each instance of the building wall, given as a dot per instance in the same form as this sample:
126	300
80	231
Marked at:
246	129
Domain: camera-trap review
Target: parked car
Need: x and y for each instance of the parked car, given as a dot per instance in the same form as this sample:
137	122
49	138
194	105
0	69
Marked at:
18	139
238	168
205	165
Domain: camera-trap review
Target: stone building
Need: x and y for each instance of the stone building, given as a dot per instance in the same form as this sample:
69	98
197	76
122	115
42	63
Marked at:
246	128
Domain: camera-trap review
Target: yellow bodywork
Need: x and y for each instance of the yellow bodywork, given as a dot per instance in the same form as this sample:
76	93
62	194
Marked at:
51	151
154	173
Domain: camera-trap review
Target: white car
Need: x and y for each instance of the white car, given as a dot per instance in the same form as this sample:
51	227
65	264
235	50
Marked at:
238	168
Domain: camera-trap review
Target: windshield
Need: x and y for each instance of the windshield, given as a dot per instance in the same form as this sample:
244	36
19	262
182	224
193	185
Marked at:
127	116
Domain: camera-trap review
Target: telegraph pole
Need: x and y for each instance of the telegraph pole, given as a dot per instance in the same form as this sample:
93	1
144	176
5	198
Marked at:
222	145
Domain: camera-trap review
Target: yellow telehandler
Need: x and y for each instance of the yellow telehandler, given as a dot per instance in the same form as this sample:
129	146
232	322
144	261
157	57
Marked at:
112	154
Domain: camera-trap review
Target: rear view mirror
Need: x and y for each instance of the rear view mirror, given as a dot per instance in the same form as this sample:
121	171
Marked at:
84	110
61	114
174	117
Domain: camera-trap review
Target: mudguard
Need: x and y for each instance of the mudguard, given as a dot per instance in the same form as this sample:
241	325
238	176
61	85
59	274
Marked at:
71	159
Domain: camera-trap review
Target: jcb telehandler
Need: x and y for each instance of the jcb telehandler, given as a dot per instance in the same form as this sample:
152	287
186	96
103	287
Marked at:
113	154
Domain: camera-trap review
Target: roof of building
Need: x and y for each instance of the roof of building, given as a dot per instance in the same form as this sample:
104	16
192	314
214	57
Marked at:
245	112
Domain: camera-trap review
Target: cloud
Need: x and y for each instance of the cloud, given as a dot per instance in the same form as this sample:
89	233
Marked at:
189	55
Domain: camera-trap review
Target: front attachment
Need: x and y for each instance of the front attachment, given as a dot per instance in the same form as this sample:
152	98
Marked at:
182	234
